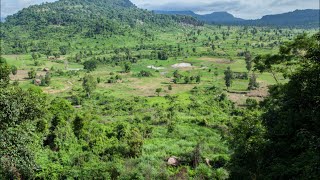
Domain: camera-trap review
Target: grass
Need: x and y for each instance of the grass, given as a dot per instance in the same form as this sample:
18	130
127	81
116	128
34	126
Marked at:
132	85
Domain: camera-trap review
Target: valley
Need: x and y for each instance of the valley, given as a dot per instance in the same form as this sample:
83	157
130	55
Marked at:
104	90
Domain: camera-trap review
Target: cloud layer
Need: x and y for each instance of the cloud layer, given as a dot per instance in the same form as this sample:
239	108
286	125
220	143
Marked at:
248	9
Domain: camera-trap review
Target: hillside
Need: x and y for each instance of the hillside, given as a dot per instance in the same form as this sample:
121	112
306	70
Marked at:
88	18
100	89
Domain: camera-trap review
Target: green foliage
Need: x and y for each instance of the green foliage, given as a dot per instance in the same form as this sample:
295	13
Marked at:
90	65
78	124
32	74
253	84
18	110
127	68
252	103
63	50
14	70
158	91
163	55
122	131
292	117
228	76
89	84
4	72
46	80
248	60
281	144
248	142
144	74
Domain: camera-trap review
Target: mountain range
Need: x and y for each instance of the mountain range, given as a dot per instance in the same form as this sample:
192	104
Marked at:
308	18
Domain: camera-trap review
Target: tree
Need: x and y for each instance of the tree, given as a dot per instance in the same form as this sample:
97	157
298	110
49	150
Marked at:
19	110
228	76
248	60
176	74
248	142
163	55
46	80
213	47
34	56
89	84
63	50
253	84
90	65
135	143
186	79
4	72
32	74
216	74
14	70
158	91
285	143
194	50
198	79
127	68
292	118
78	124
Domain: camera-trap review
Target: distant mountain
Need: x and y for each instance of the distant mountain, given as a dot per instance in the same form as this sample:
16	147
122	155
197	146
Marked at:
297	18
218	17
186	13
215	17
308	18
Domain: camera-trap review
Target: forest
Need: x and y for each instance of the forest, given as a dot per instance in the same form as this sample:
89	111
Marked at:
94	89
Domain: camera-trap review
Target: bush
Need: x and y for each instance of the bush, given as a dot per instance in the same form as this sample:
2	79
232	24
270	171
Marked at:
144	74
90	65
163	55
32	74
252	103
14	70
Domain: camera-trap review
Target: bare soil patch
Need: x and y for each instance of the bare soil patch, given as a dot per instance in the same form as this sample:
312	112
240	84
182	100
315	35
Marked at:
22	75
240	97
182	65
216	60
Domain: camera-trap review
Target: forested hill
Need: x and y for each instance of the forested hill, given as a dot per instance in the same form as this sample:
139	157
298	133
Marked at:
88	17
308	18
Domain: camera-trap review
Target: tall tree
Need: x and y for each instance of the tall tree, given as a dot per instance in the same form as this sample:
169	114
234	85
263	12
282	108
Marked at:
293	115
228	76
248	60
290	148
18	110
253	84
4	72
89	84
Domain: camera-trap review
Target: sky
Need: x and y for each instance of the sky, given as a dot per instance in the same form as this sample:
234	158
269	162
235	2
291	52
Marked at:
247	9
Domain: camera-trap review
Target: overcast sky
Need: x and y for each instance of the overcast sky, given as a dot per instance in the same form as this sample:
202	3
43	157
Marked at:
248	9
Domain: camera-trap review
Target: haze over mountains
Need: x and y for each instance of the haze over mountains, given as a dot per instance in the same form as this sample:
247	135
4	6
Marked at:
299	18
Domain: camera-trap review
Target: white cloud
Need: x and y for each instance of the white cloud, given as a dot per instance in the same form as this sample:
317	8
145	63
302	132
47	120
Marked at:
248	9
9	7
